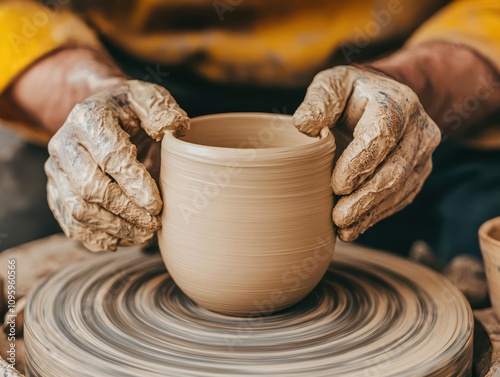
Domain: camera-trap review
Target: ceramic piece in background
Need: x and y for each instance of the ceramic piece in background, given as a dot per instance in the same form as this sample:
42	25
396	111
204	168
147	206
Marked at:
489	240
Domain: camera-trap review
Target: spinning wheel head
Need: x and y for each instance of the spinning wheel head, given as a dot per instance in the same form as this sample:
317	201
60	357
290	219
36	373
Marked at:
372	314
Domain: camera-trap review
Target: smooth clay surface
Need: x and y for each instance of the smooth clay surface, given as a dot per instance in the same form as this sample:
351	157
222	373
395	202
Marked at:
247	223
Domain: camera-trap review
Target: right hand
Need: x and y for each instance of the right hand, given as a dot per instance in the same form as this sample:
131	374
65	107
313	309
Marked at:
385	164
98	190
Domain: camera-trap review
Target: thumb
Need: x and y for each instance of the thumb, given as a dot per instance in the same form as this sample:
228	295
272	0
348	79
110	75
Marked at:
325	100
156	109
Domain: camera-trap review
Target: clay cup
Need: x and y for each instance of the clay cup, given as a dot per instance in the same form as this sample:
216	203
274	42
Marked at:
247	226
489	240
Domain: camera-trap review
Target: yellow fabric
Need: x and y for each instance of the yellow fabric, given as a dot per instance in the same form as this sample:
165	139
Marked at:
279	42
474	23
270	42
29	31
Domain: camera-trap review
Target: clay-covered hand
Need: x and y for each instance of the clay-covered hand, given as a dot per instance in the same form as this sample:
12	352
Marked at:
390	139
103	160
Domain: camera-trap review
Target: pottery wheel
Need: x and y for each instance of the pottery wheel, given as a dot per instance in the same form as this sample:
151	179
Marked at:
373	315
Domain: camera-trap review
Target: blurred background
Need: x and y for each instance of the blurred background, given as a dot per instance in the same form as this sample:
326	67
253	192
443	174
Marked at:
22	203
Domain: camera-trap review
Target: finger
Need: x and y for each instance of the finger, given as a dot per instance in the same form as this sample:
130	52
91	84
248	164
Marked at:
394	203
92	185
149	151
157	109
388	178
94	240
111	149
430	134
376	134
92	215
325	100
125	242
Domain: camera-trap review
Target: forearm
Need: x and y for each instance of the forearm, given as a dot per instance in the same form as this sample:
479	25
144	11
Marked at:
48	90
457	87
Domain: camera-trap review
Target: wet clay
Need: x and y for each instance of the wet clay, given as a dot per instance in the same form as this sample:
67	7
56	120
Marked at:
385	141
246	225
102	163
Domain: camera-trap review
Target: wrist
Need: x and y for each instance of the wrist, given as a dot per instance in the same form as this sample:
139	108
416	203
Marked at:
457	87
51	87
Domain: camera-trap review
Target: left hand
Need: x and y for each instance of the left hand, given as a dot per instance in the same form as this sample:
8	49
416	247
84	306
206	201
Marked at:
104	160
386	162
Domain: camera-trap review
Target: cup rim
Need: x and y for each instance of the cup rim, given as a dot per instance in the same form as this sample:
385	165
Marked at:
485	229
176	145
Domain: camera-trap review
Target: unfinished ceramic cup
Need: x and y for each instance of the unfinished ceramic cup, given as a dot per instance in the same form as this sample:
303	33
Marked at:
247	225
489	240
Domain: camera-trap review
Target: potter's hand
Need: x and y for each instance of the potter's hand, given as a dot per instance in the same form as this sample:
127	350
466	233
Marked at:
98	189
384	165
